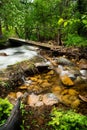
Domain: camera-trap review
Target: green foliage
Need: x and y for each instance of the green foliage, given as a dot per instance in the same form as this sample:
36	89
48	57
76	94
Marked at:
40	20
67	120
5	108
23	113
75	40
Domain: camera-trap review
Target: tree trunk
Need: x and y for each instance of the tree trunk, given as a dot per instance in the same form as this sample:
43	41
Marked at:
59	38
0	30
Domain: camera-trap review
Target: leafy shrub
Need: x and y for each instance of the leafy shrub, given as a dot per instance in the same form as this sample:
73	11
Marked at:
76	40
5	108
67	120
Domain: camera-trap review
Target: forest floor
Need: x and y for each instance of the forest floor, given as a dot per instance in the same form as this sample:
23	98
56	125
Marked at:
36	114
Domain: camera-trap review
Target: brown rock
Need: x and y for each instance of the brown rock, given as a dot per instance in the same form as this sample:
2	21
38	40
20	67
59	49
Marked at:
19	94
72	92
65	99
34	100
51	72
64	92
39	81
46	84
83	64
12	95
3	54
71	101
66	80
76	103
56	89
23	87
34	79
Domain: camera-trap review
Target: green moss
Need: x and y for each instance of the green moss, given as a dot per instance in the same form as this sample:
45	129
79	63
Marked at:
67	120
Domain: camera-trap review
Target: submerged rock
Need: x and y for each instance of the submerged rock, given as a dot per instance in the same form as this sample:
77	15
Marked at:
71	72
66	80
70	100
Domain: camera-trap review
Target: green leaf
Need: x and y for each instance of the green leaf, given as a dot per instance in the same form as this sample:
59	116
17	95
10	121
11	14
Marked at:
60	21
65	23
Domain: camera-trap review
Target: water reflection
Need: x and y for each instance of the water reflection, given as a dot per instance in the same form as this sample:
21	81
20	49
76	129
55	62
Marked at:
16	54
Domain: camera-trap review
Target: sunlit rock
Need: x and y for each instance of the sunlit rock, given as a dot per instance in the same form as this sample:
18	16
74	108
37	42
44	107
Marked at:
66	80
19	94
34	100
44	99
39	103
50	99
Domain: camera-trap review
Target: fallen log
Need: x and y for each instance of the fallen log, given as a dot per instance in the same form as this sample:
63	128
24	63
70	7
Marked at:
13	122
70	52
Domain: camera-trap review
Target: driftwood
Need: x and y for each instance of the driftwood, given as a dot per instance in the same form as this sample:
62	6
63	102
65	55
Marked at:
14	121
83	98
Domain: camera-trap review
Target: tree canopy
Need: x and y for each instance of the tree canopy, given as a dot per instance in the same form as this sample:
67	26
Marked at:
43	20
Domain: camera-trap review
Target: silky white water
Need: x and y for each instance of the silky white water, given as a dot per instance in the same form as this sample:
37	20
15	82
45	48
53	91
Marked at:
16	54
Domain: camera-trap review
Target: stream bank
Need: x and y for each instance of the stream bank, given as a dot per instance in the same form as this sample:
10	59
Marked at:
57	81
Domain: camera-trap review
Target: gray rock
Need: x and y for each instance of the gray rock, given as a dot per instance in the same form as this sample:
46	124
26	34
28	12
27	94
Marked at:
64	61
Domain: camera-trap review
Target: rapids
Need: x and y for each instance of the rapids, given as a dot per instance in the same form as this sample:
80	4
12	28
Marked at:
16	54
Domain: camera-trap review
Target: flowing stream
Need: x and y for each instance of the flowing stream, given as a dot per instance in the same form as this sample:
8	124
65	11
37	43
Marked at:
16	54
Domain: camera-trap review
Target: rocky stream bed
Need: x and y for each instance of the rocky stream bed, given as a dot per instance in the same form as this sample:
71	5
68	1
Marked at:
47	81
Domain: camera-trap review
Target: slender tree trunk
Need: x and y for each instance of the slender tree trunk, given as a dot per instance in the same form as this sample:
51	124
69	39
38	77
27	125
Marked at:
0	30
59	38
